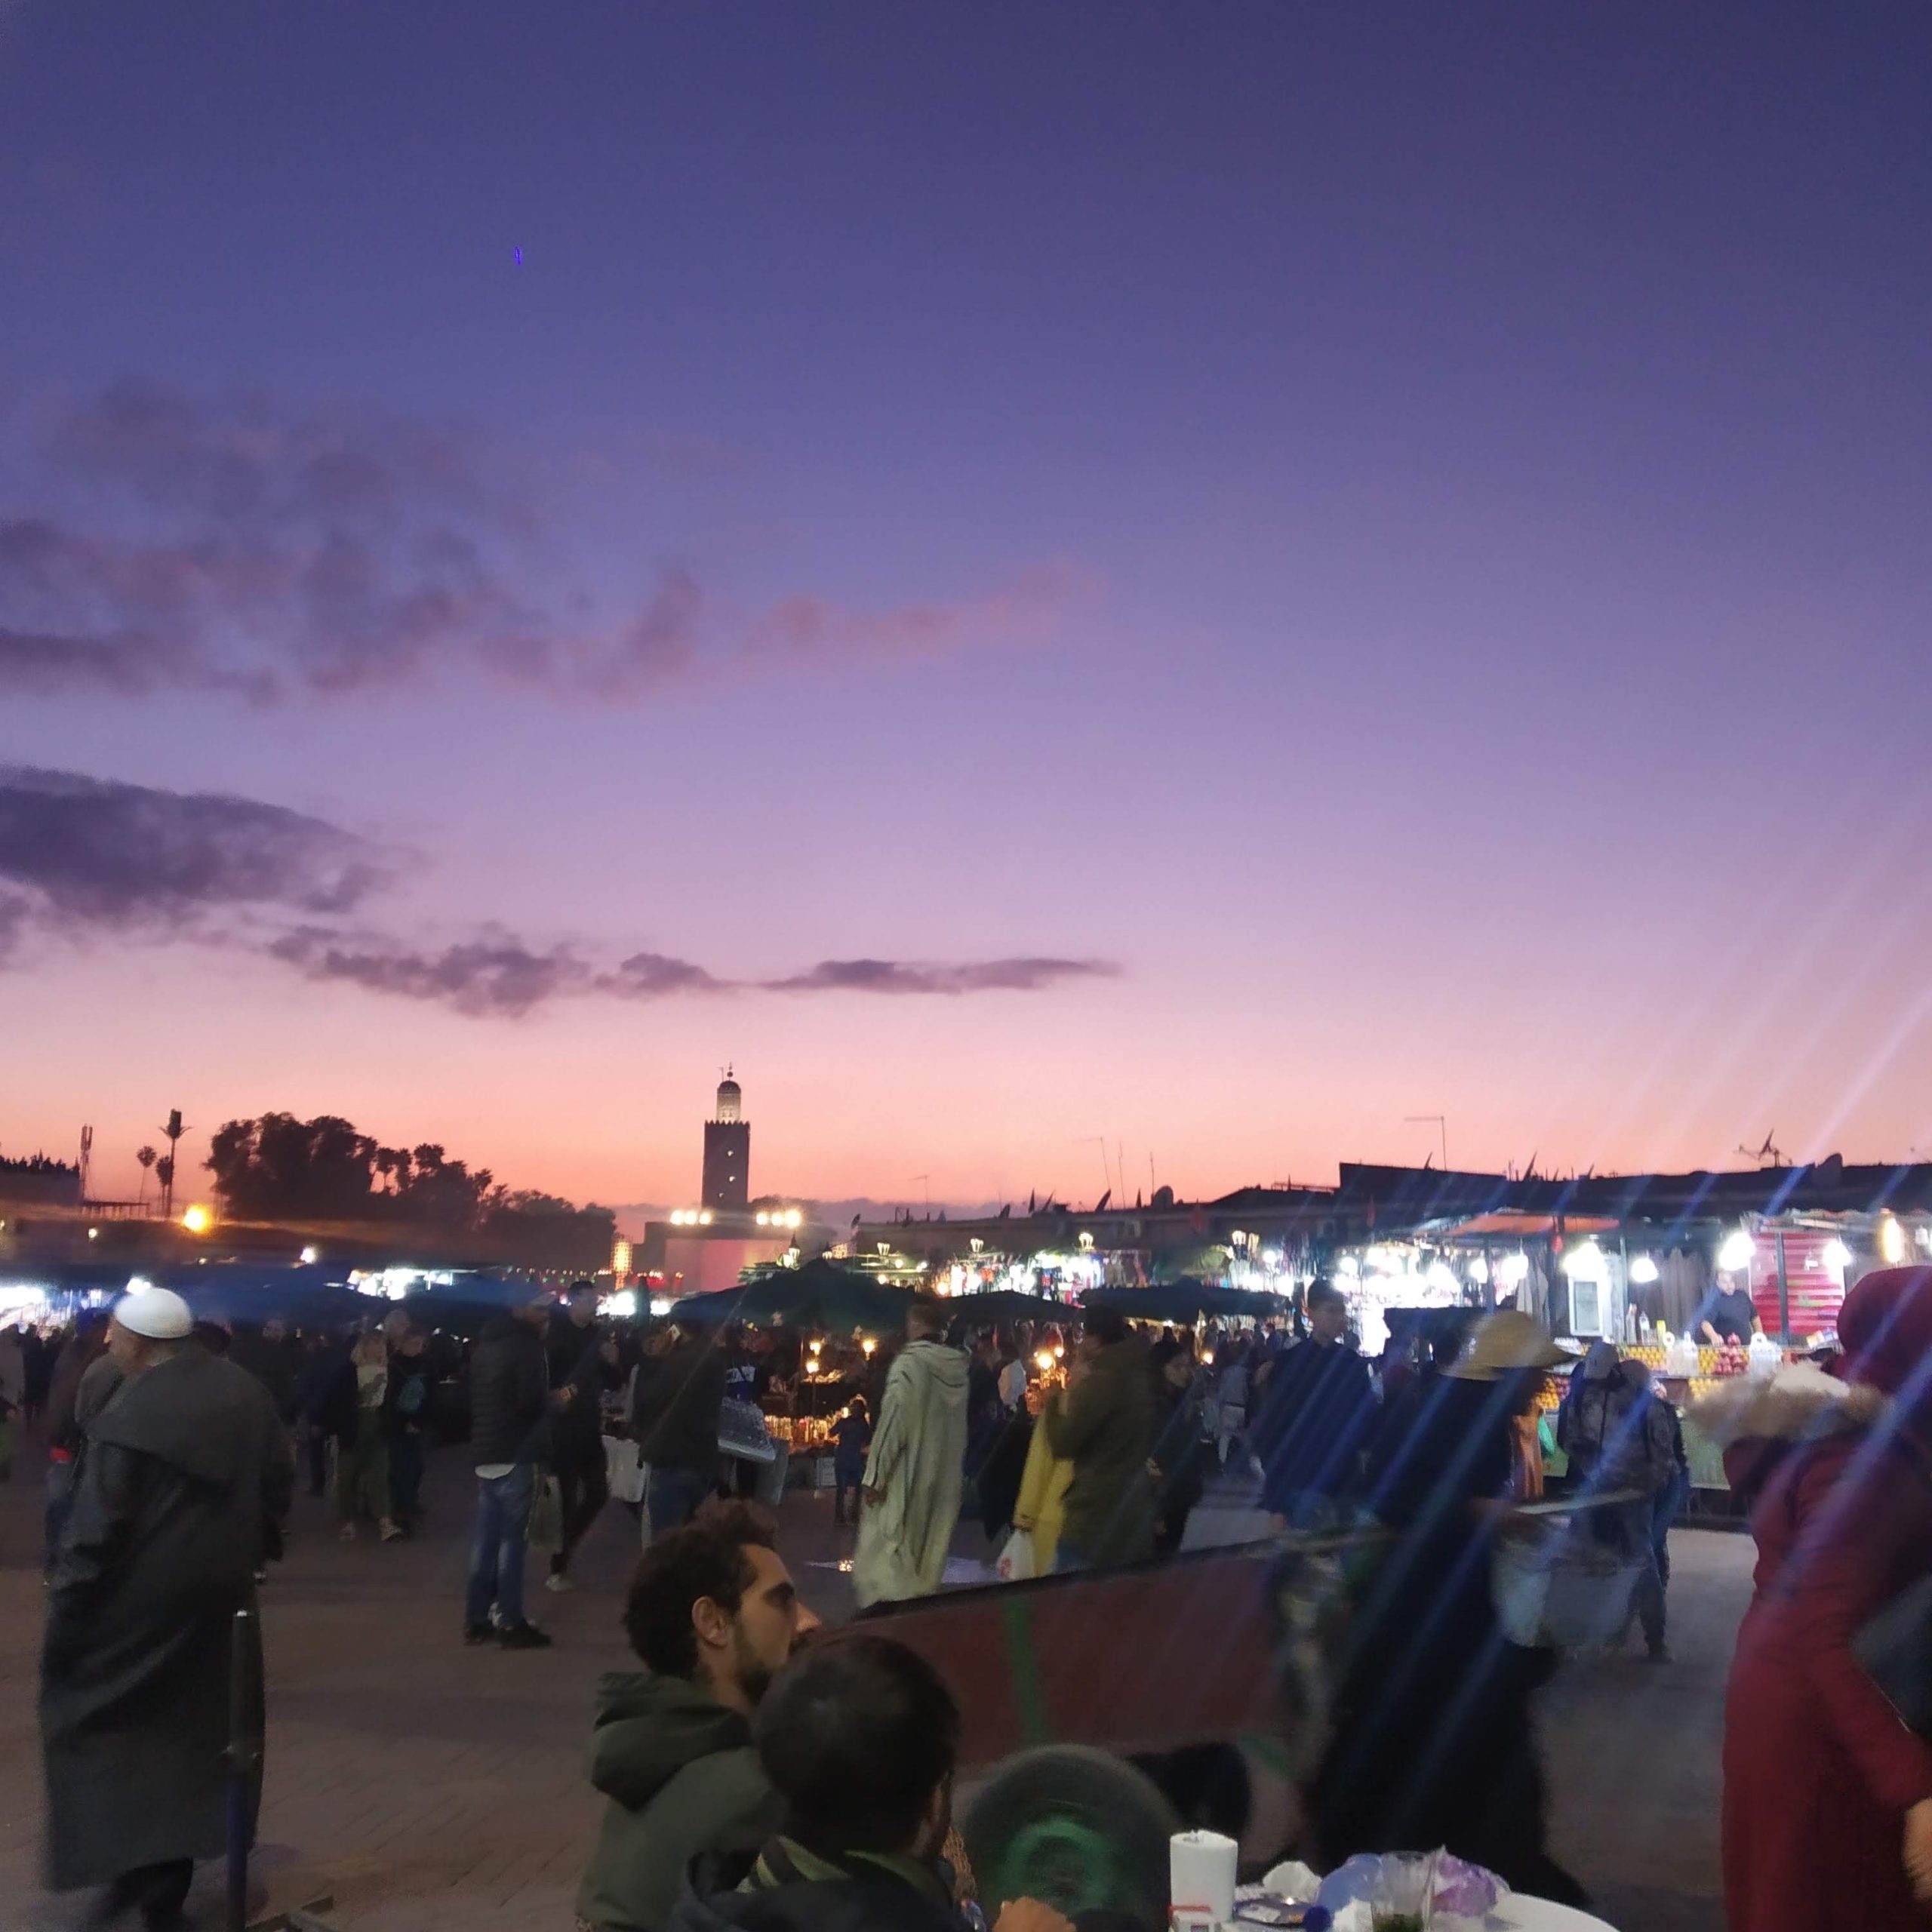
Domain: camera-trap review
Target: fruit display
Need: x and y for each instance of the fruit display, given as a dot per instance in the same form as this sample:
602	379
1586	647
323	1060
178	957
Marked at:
1728	1359
802	1433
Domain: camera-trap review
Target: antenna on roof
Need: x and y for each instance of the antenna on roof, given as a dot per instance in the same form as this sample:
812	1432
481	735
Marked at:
1769	1155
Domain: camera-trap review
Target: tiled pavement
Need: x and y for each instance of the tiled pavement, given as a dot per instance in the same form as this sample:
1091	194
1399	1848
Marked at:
428	1787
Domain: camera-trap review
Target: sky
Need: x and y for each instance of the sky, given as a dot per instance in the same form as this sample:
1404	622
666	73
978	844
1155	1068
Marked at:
1157	591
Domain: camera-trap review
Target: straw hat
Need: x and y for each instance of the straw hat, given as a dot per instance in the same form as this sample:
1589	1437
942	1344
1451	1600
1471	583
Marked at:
1501	1343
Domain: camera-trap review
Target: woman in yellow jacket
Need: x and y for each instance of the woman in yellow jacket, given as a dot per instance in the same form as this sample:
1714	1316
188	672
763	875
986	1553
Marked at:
1042	1498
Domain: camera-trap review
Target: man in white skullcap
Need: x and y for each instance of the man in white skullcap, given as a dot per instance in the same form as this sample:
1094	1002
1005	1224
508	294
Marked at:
185	1469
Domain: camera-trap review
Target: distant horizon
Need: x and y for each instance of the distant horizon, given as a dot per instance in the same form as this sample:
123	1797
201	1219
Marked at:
838	1210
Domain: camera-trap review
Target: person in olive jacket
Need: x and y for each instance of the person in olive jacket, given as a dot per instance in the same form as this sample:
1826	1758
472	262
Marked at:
1102	1422
713	1615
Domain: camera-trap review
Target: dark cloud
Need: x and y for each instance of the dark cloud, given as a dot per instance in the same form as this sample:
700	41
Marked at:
83	857
156	542
92	852
37	663
653	975
16	915
499	974
250	548
895	975
496	974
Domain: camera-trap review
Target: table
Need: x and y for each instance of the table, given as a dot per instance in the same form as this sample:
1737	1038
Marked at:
1518	1913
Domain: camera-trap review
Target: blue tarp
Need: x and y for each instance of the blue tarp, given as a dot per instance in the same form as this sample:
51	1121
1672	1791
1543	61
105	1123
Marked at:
252	1292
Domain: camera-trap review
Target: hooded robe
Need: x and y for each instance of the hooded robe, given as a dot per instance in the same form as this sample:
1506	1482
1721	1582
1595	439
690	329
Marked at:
183	1472
917	1465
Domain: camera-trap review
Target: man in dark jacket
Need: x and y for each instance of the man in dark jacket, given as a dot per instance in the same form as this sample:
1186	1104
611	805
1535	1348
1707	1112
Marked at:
1103	1424
185	1470
680	1390
582	1357
713	1615
1317	1421
861	1739
266	1354
510	1404
87	1344
325	1404
1180	1446
1618	1436
408	1399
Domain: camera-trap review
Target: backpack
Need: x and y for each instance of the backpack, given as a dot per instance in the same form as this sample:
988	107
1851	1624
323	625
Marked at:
1616	1437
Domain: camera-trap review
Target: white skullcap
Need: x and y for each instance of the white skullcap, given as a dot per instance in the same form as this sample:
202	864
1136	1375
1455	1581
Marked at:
159	1314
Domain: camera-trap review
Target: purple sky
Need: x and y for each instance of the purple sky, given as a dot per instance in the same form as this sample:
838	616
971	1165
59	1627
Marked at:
1273	567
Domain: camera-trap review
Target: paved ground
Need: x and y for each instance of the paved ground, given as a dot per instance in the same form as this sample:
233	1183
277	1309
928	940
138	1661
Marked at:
431	1787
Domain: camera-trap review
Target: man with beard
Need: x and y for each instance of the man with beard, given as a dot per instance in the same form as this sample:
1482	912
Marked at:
714	1614
185	1474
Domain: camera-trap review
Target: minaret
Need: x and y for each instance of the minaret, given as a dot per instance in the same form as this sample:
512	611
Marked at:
727	1149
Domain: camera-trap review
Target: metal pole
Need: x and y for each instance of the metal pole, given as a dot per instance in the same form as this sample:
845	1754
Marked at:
1784	1293
244	1761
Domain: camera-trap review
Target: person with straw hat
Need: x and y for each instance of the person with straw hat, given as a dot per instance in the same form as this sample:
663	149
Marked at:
1432	1741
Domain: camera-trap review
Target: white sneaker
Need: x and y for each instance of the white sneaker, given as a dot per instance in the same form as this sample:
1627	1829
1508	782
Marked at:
557	1583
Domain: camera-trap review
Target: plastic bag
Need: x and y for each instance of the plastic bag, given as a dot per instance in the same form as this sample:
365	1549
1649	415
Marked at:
1016	1560
1566	1591
546	1516
1436	1887
1293	1881
742	1431
625	1472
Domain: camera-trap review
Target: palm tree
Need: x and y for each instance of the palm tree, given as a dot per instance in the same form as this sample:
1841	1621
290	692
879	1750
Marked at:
147	1157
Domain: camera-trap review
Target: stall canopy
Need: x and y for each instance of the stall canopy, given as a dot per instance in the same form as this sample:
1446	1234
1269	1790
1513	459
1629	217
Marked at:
1008	1305
1185	1301
320	1297
820	1294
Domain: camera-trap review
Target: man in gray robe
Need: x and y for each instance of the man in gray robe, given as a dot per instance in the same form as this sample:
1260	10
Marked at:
910	1501
183	1472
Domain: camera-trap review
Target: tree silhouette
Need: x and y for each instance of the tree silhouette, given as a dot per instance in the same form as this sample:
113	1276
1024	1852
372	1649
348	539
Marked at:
147	1157
279	1168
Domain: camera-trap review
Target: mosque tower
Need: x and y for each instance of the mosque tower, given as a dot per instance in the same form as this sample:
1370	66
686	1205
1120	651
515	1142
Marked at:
727	1149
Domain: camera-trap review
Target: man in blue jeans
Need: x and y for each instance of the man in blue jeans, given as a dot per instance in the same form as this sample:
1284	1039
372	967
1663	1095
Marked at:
679	1391
509	1403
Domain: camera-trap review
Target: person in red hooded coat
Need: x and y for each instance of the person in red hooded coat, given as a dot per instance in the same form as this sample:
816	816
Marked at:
1828	1796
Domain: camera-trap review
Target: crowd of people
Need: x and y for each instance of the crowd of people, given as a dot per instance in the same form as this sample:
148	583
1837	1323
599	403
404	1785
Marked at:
754	1779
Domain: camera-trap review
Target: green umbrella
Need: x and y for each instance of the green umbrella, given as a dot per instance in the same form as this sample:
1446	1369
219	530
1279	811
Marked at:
821	1294
1184	1301
1009	1304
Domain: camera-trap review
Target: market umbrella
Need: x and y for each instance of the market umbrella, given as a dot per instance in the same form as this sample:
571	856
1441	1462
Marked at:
1184	1301
819	1294
1008	1305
